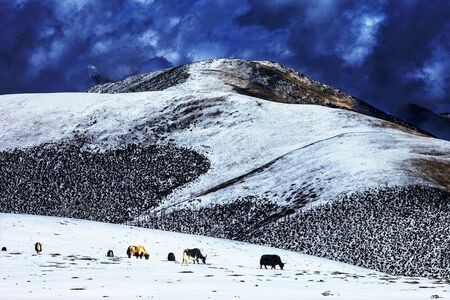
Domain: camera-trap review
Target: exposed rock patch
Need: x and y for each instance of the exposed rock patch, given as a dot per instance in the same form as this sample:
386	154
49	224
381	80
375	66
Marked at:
156	81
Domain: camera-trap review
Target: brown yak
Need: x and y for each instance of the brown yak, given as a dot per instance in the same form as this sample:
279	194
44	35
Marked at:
38	247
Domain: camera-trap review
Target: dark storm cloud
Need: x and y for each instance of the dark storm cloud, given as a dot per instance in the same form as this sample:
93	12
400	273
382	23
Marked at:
389	53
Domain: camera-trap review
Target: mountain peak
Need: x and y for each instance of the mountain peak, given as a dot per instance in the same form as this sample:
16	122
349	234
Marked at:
261	79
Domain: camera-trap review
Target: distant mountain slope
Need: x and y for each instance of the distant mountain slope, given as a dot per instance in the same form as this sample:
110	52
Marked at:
427	119
232	159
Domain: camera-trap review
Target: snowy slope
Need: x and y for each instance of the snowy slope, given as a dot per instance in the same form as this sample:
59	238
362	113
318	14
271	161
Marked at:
331	151
73	266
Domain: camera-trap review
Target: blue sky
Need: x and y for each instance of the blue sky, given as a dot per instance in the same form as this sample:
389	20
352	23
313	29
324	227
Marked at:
388	53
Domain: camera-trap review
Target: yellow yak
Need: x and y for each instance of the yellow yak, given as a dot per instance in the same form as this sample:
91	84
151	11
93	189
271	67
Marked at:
137	251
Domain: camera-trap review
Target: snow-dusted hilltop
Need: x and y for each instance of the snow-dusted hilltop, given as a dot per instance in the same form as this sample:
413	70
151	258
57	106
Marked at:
234	149
261	79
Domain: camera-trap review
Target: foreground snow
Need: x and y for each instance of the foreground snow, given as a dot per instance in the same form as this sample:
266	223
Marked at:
73	266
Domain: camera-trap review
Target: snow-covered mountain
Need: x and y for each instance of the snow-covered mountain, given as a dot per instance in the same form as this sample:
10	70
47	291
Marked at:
237	149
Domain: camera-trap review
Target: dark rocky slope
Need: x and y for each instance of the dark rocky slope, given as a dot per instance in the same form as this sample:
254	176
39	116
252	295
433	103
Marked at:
400	231
112	185
155	81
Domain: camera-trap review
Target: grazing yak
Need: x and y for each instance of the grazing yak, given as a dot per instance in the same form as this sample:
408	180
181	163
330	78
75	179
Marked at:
137	251
3	248
110	253
271	260
194	255
38	247
171	257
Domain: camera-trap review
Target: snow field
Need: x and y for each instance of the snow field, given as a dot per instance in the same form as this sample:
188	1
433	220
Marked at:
73	265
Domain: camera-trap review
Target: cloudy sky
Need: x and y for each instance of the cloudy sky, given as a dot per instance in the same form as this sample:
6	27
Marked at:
388	53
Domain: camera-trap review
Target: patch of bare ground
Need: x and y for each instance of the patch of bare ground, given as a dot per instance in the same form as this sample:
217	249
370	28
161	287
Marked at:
392	125
436	171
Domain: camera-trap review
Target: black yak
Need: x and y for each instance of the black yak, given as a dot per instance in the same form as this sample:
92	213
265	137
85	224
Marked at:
171	257
271	260
110	253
